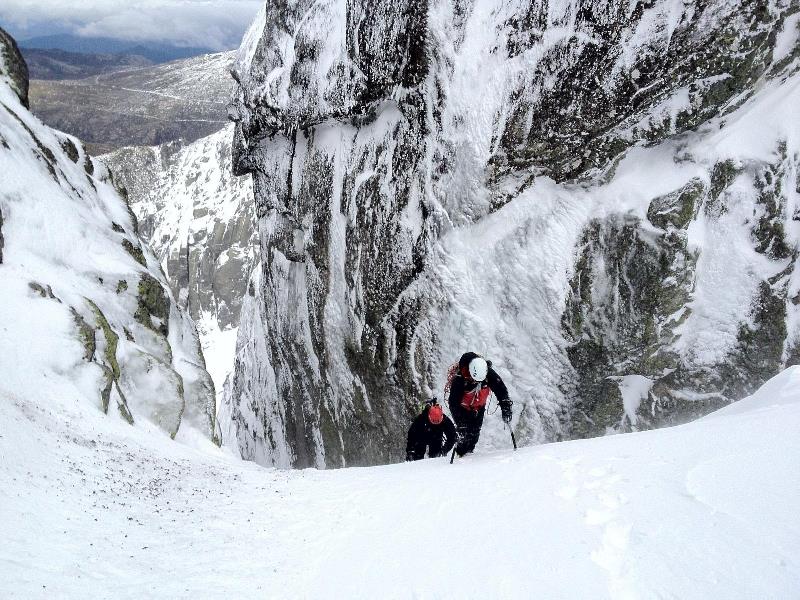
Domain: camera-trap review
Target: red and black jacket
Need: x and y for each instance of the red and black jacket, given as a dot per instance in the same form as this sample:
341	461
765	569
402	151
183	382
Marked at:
469	395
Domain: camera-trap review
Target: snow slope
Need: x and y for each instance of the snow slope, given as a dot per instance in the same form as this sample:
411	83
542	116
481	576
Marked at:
84	303
94	508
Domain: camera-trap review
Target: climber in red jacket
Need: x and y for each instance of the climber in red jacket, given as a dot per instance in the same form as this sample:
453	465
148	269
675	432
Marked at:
471	383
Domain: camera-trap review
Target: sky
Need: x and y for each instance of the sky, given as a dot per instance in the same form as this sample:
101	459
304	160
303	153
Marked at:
216	24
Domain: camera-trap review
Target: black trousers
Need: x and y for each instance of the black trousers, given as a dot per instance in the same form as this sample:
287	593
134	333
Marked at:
468	427
417	450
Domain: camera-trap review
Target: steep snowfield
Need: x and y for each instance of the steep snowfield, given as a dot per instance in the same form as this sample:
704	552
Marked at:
84	303
93	508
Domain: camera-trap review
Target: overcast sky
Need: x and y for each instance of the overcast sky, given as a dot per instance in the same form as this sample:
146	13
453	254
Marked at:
217	24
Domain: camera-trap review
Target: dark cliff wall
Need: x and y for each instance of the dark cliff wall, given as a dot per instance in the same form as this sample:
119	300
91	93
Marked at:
390	146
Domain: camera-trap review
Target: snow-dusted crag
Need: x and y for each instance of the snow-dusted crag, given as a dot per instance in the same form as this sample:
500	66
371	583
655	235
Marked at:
598	195
85	305
199	219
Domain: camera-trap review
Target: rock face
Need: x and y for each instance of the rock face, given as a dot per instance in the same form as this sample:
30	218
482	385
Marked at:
85	304
599	196
13	66
185	99
199	219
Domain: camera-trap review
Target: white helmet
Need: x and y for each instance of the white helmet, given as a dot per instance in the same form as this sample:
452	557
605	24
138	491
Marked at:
478	368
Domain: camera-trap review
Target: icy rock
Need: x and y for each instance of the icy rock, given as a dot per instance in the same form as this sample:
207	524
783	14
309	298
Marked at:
12	67
199	220
437	177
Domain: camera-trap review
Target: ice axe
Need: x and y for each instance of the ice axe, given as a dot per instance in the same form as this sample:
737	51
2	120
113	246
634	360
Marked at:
453	453
513	439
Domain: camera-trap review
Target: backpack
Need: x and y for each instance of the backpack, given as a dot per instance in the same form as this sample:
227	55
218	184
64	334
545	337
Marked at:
451	373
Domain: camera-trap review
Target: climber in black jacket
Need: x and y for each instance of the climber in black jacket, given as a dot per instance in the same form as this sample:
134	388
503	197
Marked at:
471	383
433	431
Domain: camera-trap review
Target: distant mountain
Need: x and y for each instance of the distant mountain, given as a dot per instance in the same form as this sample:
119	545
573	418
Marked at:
153	51
60	64
185	99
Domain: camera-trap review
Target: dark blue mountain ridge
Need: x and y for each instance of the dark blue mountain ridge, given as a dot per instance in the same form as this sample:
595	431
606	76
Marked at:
157	52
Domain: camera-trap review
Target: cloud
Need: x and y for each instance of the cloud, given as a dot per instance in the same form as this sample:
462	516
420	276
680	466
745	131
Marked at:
217	24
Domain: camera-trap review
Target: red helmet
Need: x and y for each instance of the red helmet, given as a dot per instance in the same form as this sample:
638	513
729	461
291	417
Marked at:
435	414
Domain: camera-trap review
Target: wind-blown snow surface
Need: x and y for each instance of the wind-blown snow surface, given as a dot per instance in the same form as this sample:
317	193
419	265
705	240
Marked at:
93	508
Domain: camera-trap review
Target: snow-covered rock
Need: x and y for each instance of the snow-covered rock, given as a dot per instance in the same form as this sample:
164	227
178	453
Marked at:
86	309
199	220
600	196
13	68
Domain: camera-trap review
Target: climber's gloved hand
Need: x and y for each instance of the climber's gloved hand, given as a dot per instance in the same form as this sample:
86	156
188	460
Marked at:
505	410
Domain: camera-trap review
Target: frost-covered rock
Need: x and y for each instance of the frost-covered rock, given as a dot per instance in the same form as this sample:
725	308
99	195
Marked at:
255	416
84	301
199	220
597	195
12	66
